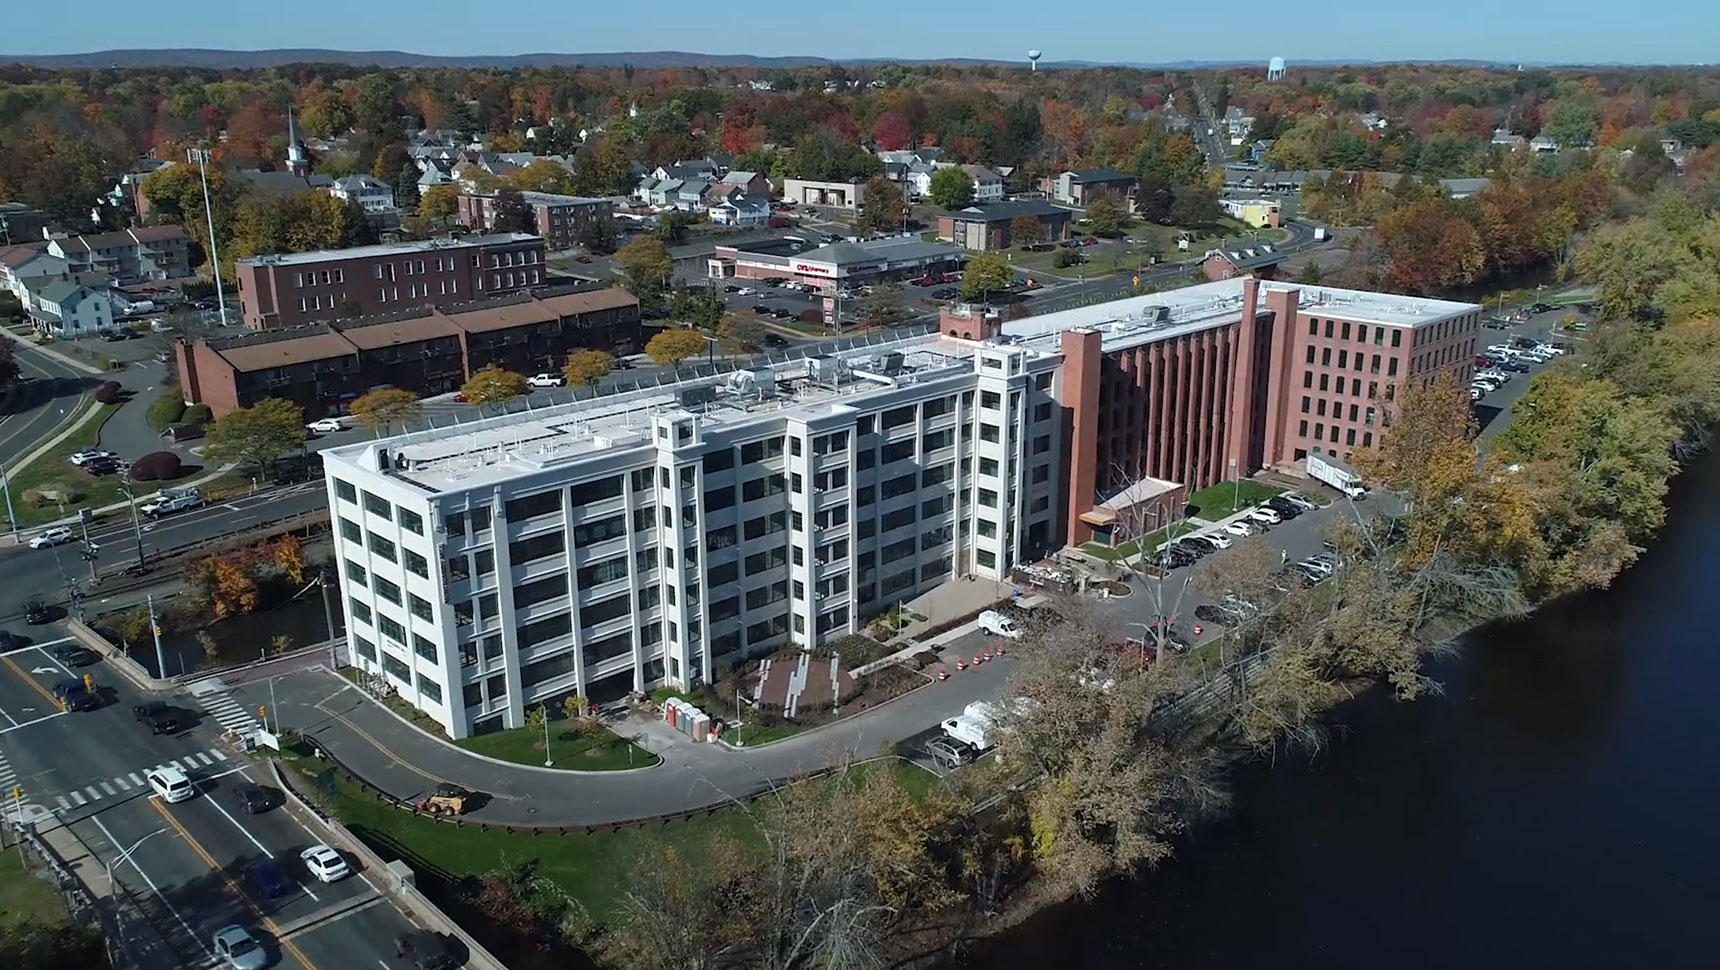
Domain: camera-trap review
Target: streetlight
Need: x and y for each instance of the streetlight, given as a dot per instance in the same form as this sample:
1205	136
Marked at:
11	517
125	485
202	157
548	762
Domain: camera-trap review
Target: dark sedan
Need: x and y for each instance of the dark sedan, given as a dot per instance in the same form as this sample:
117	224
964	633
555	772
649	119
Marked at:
75	656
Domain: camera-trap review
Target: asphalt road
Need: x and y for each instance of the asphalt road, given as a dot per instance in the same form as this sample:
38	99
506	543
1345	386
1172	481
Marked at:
49	396
27	574
188	872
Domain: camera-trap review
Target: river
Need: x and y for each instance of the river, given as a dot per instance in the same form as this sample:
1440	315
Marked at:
1555	808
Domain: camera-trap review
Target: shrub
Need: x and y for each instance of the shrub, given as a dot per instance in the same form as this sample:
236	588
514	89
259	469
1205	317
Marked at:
811	316
1065	258
157	466
108	393
166	410
197	414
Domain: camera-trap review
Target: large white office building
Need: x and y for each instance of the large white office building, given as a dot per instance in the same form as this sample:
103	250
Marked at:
645	539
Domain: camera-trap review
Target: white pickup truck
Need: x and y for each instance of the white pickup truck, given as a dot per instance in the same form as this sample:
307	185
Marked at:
168	504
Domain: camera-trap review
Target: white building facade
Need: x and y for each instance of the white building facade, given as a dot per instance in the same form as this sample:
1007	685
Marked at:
653	538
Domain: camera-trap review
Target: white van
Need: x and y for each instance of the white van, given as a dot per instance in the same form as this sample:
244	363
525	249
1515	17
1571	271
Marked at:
170	783
993	622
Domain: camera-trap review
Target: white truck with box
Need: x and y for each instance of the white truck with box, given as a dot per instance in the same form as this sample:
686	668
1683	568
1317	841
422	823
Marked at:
976	726
999	624
1324	468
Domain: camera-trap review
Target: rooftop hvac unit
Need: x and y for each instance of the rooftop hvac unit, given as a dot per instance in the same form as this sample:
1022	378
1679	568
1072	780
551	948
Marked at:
823	369
693	396
1155	313
888	363
743	383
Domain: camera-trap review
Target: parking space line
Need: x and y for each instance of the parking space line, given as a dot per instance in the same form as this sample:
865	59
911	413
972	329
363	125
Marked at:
114	844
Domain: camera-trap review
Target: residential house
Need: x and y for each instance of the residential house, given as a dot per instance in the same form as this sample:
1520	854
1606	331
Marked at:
661	193
435	173
19	264
988	225
1256	213
374	195
1076	187
1543	145
1374	121
1259	147
146	253
690	197
750	183
1237	125
987	184
742	210
1506	139
699	168
1260	260
68	308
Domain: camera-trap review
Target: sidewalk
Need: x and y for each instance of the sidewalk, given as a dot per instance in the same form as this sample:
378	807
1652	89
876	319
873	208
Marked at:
46	351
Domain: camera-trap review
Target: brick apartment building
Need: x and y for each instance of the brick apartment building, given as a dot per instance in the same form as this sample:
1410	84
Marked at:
559	218
986	225
294	289
428	350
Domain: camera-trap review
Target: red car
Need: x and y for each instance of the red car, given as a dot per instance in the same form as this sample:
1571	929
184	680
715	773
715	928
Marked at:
582	259
1089	241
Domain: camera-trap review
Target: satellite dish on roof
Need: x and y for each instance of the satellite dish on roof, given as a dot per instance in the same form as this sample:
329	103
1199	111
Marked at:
1033	58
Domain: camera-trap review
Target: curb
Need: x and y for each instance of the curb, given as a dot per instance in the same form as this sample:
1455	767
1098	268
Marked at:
497	761
62	435
44	351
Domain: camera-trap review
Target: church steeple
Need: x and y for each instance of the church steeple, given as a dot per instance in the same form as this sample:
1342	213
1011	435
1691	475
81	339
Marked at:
296	161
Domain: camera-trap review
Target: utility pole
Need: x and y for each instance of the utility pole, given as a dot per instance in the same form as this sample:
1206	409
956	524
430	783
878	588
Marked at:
202	156
328	619
89	550
136	527
155	630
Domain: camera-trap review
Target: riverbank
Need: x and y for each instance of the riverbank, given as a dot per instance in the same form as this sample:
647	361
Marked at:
1569	756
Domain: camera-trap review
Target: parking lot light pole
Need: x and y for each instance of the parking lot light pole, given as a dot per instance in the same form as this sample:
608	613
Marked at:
202	157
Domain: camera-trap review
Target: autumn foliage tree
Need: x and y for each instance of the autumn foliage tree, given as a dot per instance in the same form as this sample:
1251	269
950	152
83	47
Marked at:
587	367
382	409
1428	246
493	385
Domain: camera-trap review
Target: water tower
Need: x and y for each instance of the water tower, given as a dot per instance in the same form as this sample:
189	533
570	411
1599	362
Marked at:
1275	69
1033	59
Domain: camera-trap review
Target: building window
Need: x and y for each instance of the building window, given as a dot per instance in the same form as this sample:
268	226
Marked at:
1326	357
1307	378
382	547
365	648
1302	429
386	589
1397	338
357	610
1305	400
1361	333
1328	329
391	628
1392	364
1325	383
424	648
1319	408
378	506
1350	436
350	531
1313	327
1319	430
396	668
1346	330
345	491
1310	353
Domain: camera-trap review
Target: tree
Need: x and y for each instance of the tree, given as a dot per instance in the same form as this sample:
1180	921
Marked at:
382	409
406	188
670	347
883	305
883	205
598	236
892	131
741	334
587	367
646	268
1106	215
542	175
439	203
376	107
1026	230
8	364
1428	245
985	274
951	188
1154	199
493	385
255	436
1194	205
509	213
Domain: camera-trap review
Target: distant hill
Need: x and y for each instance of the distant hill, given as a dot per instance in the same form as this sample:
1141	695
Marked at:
252	60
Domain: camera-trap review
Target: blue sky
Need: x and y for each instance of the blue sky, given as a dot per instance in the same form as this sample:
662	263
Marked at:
1647	31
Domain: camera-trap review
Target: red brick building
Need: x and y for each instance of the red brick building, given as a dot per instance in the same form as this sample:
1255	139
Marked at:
427	350
1212	382
559	218
294	289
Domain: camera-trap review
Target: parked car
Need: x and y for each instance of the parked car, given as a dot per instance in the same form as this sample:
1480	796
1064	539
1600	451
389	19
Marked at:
1265	515
1301	501
547	379
89	455
1194	547
1217	540
1240	528
1208	613
72	655
37	613
1284	507
103	466
326	426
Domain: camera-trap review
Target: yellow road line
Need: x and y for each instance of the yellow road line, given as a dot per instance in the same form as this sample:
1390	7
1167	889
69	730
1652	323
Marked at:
268	923
26	678
378	745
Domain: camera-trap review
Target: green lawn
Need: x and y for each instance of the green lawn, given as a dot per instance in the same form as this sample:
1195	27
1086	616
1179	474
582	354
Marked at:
586	867
25	898
54	472
600	751
1227	498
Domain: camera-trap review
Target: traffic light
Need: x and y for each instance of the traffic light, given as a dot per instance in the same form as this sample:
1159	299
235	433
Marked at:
17	793
89	682
262	712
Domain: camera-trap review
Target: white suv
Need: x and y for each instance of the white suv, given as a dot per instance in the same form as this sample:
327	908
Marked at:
52	537
170	783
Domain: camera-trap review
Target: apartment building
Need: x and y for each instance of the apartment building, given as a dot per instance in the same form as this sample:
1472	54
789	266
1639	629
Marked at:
130	255
559	218
294	289
322	367
654	537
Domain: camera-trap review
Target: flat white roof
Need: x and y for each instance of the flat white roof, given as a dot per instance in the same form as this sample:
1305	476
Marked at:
462	455
386	249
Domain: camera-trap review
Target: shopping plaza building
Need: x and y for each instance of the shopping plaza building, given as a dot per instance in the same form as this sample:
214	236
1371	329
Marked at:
653	537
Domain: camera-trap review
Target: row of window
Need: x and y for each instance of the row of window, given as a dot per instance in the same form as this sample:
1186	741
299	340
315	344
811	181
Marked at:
1322	433
1361	331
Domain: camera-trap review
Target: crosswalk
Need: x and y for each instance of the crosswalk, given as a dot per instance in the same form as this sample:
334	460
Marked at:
8	777
133	783
212	694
